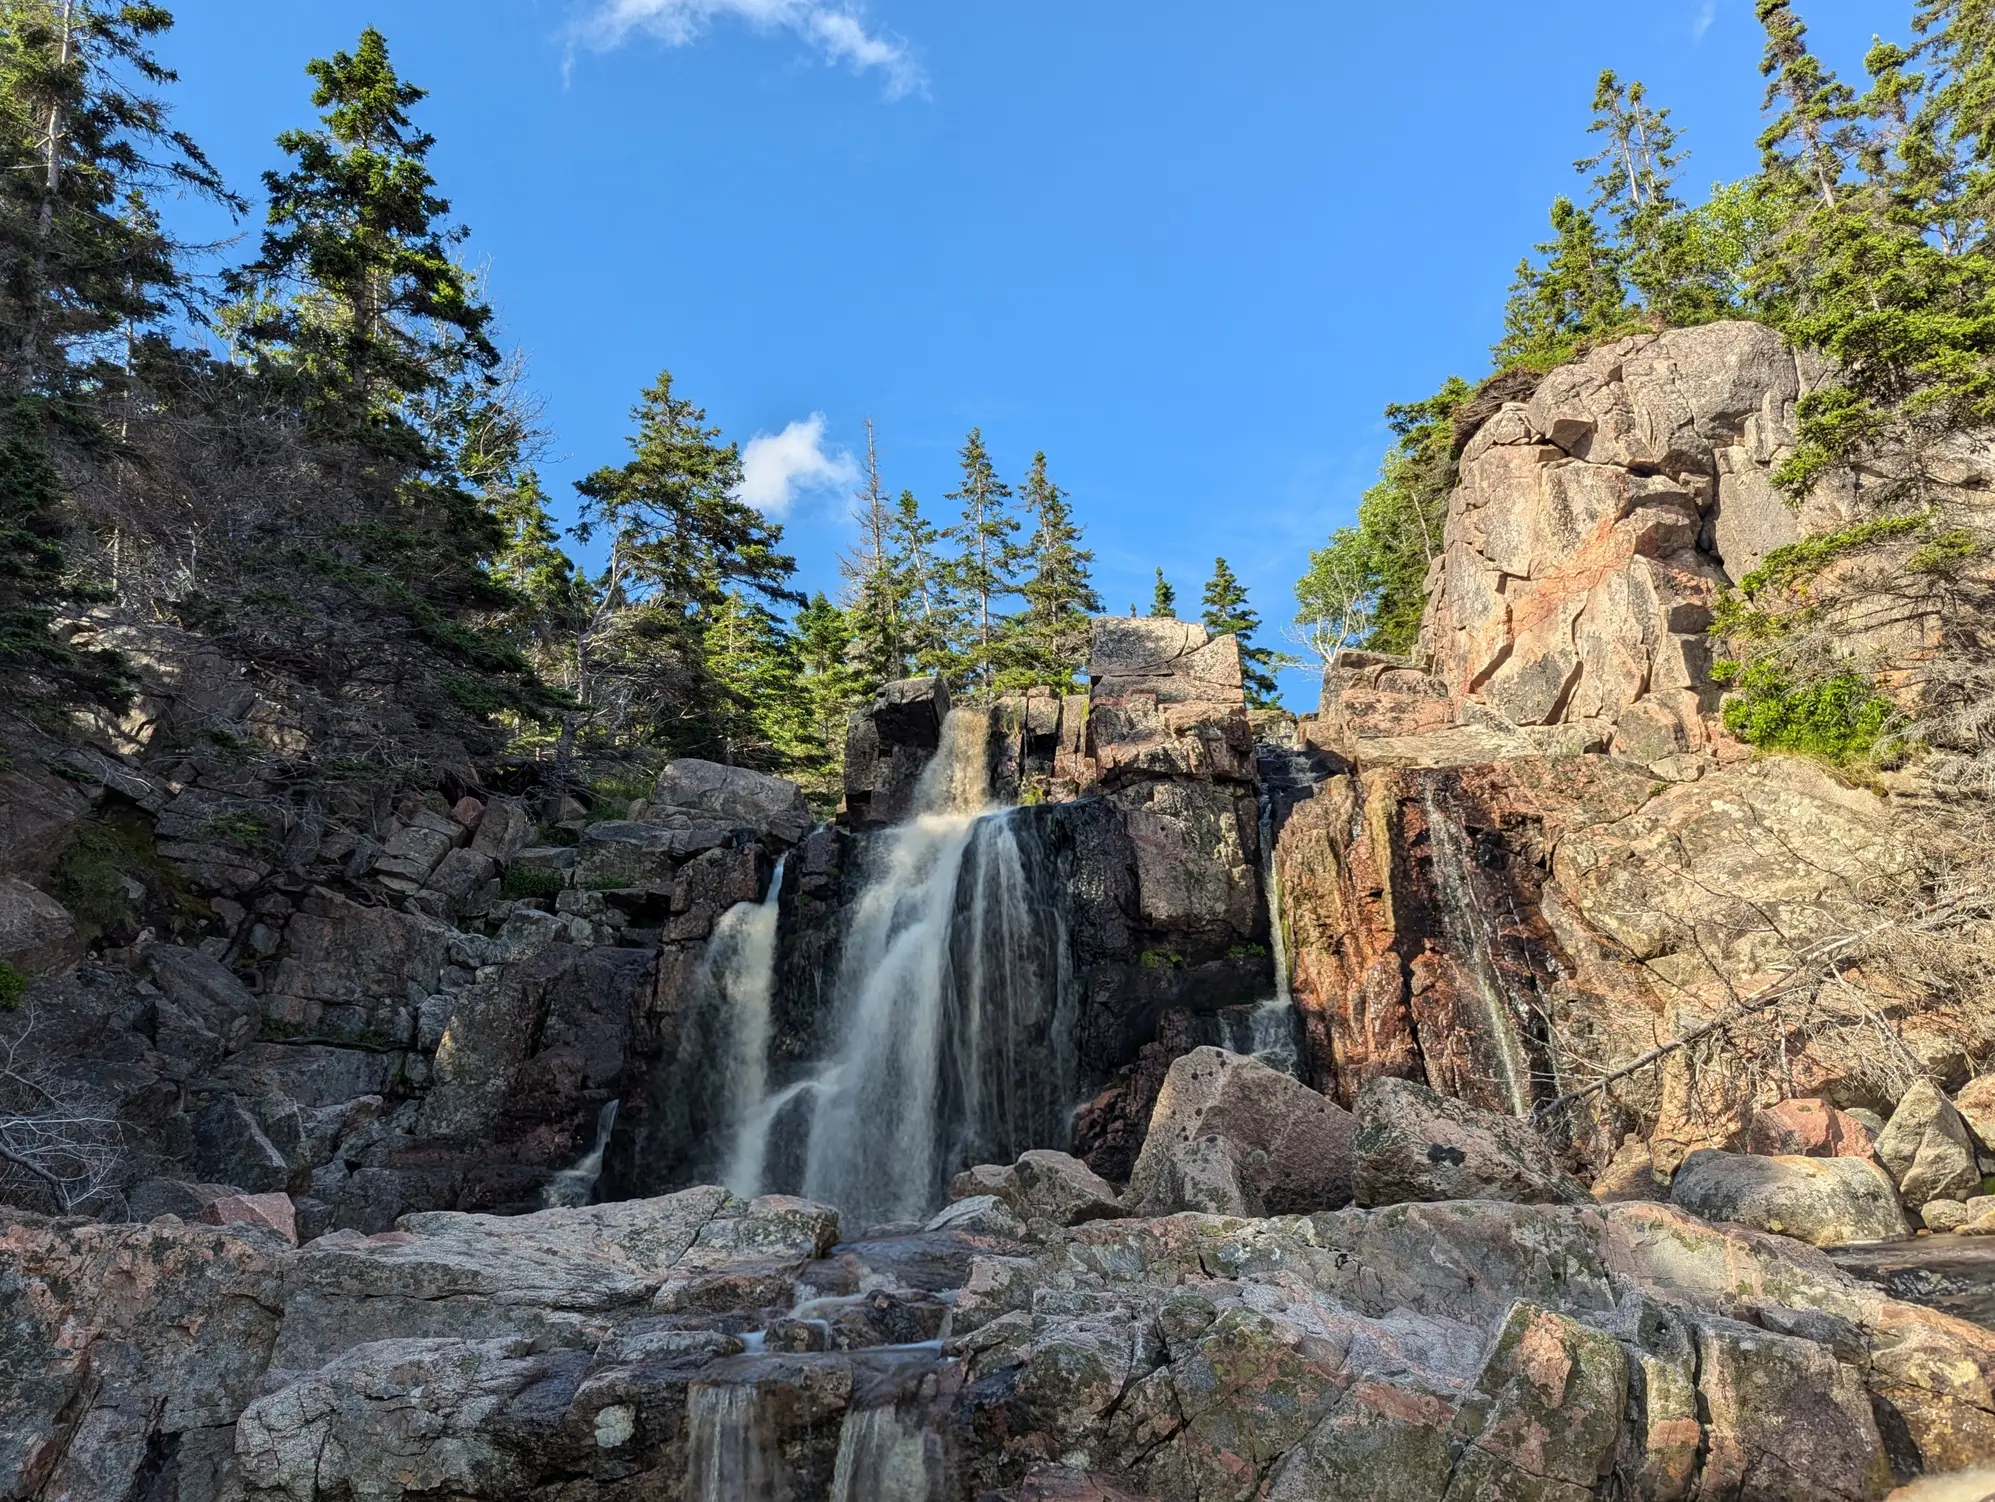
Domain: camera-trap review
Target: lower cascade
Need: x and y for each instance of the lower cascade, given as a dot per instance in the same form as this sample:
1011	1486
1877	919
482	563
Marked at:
952	1016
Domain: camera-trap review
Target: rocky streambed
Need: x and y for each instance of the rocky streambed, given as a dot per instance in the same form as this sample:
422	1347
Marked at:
1043	1337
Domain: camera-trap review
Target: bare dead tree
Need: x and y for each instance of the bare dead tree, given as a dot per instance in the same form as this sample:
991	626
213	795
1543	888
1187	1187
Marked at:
60	1146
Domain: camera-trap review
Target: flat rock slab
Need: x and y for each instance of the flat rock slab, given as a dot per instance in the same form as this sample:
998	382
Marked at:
1954	1274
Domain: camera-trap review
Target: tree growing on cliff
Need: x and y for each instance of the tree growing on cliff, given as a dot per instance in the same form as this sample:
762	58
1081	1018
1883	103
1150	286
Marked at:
921	570
1367	587
1049	640
878	591
1227	612
688	553
1163	600
984	570
84	269
1575	297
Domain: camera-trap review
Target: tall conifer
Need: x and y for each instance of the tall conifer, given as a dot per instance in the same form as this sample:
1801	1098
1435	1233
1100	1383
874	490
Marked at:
1049	645
984	569
1163	600
1227	612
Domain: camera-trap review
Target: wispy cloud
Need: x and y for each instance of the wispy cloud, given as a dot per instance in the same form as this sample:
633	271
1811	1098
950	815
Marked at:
778	467
837	29
1706	14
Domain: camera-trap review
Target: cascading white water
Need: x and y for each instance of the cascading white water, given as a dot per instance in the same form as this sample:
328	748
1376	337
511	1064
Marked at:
951	1043
1473	943
743	956
731	1454
886	1456
573	1186
1271	1028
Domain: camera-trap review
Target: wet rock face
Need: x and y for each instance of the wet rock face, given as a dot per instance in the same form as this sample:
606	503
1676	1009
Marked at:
888	745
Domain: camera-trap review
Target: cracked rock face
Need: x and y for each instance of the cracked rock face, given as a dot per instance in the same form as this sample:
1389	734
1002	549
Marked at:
1594	524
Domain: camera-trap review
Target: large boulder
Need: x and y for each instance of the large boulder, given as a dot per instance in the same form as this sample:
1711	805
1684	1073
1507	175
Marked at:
1976	1104
1043	1185
1165	700
1805	1128
1927	1149
1230	1135
693	794
1414	1144
1823	1201
36	931
204	987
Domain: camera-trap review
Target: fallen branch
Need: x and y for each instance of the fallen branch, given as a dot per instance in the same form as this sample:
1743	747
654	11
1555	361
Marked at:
1802	975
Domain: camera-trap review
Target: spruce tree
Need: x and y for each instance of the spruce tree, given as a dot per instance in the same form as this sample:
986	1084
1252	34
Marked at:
1049	644
1227	612
82	261
877	592
1810	140
826	691
920	570
1163	600
984	569
357	293
1573	299
688	556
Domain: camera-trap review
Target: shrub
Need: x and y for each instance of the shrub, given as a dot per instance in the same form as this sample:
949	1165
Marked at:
532	881
1841	719
13	988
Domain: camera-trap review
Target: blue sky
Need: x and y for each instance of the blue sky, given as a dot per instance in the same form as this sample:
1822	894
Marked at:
1190	250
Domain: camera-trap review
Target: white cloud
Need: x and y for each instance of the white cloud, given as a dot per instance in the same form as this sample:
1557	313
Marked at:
1706	14
777	467
835	27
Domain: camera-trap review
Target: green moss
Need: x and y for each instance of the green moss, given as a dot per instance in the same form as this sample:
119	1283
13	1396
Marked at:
96	875
1247	952
13	988
531	881
239	827
1161	959
1841	719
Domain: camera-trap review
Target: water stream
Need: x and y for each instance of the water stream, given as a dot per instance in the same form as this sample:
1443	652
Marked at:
1473	945
744	950
576	1185
952	1029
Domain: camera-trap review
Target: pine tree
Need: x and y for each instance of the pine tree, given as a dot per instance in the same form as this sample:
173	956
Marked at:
83	266
920	570
1227	612
357	293
984	569
1163	600
877	592
552	595
1049	644
1810	141
1657	249
1574	299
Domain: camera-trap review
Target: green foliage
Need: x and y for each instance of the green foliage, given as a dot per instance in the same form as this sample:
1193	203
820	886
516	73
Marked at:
1367	587
1227	612
112	879
1573	300
1163	600
531	882
1793	564
1841	718
1048	644
986	565
1947	553
13	988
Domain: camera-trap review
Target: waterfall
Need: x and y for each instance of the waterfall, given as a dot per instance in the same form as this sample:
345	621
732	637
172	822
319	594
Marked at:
952	1005
744	966
732	1455
1271	1029
1473	945
886	1456
573	1186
